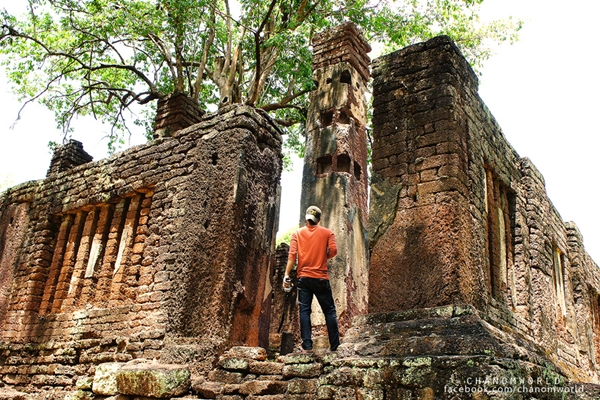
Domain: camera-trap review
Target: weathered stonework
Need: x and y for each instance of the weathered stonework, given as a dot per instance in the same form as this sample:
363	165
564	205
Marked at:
68	156
284	325
335	165
175	112
458	217
153	380
478	289
161	252
373	363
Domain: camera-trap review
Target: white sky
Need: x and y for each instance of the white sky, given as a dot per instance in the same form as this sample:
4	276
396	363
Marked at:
543	91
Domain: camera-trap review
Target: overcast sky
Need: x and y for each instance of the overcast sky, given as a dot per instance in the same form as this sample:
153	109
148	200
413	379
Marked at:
543	91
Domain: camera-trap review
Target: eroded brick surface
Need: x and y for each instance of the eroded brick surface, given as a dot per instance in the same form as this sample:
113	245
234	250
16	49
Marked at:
163	252
160	252
457	216
335	164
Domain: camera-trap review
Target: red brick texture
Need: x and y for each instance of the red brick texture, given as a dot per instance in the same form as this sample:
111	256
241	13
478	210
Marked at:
163	251
457	216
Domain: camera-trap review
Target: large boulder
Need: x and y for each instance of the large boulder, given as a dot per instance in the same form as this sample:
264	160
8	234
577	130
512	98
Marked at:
153	380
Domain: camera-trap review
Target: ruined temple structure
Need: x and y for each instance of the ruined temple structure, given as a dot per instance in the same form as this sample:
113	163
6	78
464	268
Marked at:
175	112
153	274
160	252
458	217
335	165
284	329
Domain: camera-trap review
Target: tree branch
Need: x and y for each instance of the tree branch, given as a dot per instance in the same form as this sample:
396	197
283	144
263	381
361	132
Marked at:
129	68
257	42
284	103
204	59
84	66
158	42
285	122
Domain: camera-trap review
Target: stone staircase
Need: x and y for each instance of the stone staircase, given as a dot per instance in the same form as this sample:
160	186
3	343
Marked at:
245	372
437	353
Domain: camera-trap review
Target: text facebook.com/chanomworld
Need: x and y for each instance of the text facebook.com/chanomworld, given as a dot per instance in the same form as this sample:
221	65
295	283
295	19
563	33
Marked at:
496	385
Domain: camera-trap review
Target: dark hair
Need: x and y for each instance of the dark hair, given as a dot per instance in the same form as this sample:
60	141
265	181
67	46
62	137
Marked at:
311	222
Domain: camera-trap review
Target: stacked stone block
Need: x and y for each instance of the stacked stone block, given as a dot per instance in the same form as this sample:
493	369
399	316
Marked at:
175	112
13	225
247	373
68	156
342	44
335	164
373	364
458	217
419	207
284	325
163	251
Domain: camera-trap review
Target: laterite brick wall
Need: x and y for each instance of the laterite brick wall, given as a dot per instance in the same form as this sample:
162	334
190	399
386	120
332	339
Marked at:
162	251
457	216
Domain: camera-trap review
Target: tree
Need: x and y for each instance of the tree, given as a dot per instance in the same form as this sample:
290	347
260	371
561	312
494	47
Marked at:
101	57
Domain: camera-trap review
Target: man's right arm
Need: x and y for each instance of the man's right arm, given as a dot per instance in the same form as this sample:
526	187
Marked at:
291	257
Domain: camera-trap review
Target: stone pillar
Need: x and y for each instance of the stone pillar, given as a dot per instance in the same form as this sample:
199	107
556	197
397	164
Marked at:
175	112
335	164
68	156
284	311
420	226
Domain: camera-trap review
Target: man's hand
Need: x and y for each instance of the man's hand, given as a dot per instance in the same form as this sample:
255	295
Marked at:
287	284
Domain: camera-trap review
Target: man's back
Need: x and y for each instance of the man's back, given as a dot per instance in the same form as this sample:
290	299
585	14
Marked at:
314	245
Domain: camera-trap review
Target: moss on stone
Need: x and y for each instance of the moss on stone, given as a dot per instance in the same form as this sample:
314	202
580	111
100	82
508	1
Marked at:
159	382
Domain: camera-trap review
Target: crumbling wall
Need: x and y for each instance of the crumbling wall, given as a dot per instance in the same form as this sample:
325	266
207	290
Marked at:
457	216
420	205
68	156
162	251
284	332
175	112
13	222
335	164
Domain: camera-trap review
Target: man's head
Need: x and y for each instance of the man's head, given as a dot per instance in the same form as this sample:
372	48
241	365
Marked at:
313	215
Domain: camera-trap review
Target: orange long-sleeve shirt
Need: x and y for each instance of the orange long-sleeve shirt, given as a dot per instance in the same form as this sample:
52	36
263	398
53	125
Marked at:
313	245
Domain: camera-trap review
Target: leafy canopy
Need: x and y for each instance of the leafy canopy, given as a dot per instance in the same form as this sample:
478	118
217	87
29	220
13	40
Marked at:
103	57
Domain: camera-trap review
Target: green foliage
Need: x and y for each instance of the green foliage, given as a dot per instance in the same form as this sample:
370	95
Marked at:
293	144
285	237
101	57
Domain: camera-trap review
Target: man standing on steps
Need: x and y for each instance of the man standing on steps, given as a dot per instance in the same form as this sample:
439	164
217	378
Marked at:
313	245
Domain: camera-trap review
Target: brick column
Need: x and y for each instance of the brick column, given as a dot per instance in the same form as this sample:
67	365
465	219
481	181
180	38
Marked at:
175	112
68	156
335	165
284	311
420	228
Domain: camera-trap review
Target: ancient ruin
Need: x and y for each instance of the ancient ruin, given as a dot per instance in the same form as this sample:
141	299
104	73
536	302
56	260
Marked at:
153	273
161	252
335	163
458	217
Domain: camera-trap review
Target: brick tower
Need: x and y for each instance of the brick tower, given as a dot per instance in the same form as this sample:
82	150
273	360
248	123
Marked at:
335	164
